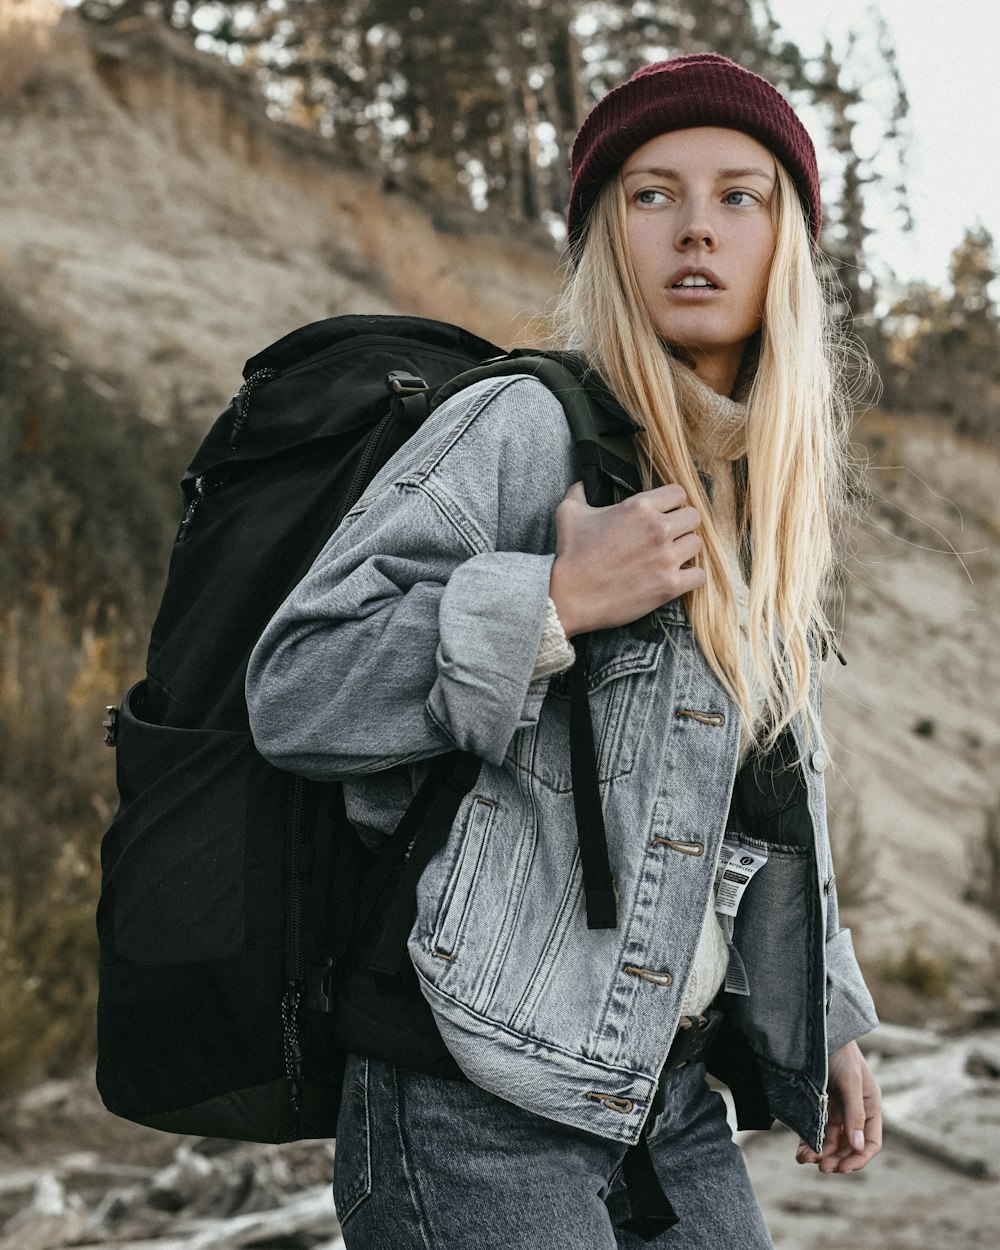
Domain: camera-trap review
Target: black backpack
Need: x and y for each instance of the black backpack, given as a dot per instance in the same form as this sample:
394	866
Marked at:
234	894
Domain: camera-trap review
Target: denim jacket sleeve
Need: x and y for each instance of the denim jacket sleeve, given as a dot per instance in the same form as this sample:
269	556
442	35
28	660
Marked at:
850	1010
417	629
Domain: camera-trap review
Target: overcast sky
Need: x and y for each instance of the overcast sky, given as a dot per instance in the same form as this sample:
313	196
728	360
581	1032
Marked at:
949	54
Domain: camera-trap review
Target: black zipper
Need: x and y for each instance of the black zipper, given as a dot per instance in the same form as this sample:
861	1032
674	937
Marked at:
206	482
291	1003
358	481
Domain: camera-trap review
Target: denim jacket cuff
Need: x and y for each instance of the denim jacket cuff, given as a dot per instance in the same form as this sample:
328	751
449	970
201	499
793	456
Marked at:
490	625
850	1009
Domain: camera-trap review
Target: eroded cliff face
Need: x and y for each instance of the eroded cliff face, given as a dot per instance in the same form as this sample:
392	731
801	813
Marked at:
152	212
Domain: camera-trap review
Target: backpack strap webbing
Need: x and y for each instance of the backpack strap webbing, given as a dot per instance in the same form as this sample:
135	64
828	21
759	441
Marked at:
652	1211
601	430
598	883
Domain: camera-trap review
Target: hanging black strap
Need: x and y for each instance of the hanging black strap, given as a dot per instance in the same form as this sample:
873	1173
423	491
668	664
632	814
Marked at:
421	832
730	1058
598	885
652	1210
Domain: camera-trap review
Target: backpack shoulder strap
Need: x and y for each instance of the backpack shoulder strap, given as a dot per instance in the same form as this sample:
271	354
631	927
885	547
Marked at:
604	434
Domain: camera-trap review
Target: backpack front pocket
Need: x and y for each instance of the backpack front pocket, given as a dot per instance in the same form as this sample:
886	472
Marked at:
174	862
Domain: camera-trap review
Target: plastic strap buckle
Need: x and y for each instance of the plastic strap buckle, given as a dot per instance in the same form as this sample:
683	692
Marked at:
693	1038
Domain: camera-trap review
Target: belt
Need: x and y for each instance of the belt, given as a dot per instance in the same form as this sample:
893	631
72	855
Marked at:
693	1037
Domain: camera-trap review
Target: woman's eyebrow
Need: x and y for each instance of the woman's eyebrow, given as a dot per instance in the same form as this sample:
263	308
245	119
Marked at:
658	171
747	171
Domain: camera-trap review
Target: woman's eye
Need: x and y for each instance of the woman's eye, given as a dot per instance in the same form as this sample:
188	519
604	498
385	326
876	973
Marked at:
742	199
649	196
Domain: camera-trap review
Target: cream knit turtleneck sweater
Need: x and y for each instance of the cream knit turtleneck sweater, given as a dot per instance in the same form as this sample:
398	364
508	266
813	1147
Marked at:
717	431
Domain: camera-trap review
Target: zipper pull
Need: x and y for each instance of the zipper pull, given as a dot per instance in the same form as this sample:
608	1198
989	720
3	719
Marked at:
243	407
200	486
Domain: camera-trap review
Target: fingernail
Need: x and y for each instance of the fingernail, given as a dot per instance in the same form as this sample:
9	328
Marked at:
858	1141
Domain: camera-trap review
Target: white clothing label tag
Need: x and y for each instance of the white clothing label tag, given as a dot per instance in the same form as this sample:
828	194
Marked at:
736	870
736	974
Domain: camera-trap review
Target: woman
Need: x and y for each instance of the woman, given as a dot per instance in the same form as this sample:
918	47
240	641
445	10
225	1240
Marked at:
442	614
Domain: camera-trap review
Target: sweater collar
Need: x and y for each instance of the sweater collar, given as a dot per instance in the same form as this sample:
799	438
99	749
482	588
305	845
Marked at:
716	424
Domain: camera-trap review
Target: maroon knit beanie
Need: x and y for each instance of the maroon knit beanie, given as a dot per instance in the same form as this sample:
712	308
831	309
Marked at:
703	89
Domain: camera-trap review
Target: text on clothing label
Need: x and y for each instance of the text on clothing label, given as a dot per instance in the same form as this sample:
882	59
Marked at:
736	870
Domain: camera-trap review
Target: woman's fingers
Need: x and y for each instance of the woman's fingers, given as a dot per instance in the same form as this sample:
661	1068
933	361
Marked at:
617	563
861	1115
854	1130
665	498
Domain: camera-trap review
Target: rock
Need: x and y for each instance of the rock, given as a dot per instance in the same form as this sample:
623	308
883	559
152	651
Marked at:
934	1146
893	1040
53	1219
983	1060
183	1183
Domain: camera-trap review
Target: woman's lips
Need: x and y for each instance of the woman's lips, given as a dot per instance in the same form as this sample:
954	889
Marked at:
695	294
682	280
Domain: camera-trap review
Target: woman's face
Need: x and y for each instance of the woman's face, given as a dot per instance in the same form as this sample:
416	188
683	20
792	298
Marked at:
701	238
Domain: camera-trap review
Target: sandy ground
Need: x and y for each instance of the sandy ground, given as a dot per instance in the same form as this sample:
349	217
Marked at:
72	1175
901	1201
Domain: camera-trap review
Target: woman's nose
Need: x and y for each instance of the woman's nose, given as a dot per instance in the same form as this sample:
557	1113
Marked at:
697	231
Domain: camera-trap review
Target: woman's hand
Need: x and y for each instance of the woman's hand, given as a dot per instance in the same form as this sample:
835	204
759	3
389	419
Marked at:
615	564
854	1129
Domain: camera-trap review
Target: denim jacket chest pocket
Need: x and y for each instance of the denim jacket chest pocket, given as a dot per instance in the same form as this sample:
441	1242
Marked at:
621	671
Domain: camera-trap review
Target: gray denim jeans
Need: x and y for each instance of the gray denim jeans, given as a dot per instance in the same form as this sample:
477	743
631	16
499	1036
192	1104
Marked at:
425	1163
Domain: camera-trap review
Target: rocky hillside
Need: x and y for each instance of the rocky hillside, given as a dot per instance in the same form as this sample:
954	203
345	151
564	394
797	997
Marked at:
151	211
153	216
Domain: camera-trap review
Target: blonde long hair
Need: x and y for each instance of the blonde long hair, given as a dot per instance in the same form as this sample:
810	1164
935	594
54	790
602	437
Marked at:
801	478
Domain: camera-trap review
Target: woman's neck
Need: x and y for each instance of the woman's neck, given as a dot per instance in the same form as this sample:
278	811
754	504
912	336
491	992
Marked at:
718	371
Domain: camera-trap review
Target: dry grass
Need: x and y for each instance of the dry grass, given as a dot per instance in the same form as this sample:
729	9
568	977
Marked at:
85	522
57	796
984	869
854	855
916	985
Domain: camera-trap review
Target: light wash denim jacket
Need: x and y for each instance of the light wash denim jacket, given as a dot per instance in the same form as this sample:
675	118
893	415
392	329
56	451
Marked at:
416	631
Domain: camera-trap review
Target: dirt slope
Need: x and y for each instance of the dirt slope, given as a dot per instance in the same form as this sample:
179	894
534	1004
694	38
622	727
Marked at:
150	209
